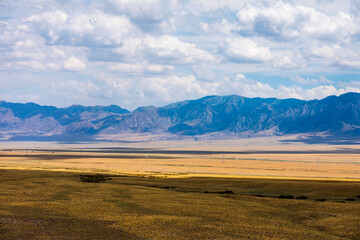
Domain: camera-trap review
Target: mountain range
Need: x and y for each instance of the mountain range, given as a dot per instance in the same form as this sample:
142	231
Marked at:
229	115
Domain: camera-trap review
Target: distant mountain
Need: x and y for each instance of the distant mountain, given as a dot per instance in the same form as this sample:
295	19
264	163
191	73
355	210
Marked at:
338	116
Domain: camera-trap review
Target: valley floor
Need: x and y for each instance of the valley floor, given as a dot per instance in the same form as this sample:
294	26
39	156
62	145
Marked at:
179	190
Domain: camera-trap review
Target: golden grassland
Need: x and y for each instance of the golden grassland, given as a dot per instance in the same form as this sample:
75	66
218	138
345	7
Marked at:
180	195
299	165
39	204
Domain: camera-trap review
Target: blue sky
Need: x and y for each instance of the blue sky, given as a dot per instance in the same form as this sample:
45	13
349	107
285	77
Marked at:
153	52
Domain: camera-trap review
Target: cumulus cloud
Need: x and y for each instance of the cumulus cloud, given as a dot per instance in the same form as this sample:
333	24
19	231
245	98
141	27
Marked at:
245	50
349	64
163	48
83	29
283	21
167	89
74	64
326	51
204	72
240	85
154	90
288	61
149	15
158	51
336	55
137	68
224	26
72	91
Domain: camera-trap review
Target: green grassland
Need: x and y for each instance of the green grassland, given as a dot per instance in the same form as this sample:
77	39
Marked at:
39	204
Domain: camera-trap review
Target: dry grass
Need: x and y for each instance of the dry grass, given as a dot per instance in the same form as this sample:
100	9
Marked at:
300	165
177	195
57	205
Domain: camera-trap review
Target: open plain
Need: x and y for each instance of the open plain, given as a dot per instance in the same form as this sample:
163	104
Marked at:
235	189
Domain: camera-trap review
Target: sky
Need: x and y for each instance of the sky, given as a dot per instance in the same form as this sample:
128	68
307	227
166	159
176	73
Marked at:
154	52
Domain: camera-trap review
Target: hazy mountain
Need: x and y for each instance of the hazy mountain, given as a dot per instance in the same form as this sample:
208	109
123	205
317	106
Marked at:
226	114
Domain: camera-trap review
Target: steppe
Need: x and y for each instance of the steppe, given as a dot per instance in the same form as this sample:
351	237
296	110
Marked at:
263	188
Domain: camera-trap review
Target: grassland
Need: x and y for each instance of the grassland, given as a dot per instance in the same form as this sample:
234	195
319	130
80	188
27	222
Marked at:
191	191
57	205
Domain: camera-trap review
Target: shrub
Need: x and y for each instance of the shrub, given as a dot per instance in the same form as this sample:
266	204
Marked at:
226	192
302	197
321	199
286	196
259	195
350	199
94	178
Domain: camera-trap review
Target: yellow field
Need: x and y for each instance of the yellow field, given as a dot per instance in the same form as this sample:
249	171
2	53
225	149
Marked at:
192	190
215	158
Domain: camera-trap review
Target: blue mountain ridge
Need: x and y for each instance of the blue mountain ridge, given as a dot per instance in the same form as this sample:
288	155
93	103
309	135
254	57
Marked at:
227	114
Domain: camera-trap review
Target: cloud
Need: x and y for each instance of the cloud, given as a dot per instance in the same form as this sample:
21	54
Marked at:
73	91
311	81
245	50
81	29
149	15
203	72
349	64
164	48
163	90
159	91
23	64
326	51
153	51
240	85
288	61
283	21
138	68
74	64
224	26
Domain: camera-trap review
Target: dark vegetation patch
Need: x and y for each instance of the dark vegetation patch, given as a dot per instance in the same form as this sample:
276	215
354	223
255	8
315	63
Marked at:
350	199
221	192
94	178
302	197
320	199
259	195
286	196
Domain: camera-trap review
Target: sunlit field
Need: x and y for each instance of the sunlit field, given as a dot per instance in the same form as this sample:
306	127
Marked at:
193	190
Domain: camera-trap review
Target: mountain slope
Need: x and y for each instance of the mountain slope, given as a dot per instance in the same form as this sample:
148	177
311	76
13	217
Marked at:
227	114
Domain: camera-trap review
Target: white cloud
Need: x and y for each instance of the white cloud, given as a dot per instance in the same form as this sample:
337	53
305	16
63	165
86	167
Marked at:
159	91
245	87
204	72
164	48
74	64
283	21
345	57
153	51
242	86
349	64
224	26
245	50
137	68
326	51
311	81
149	15
73	91
23	64
146	10
291	61
84	29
